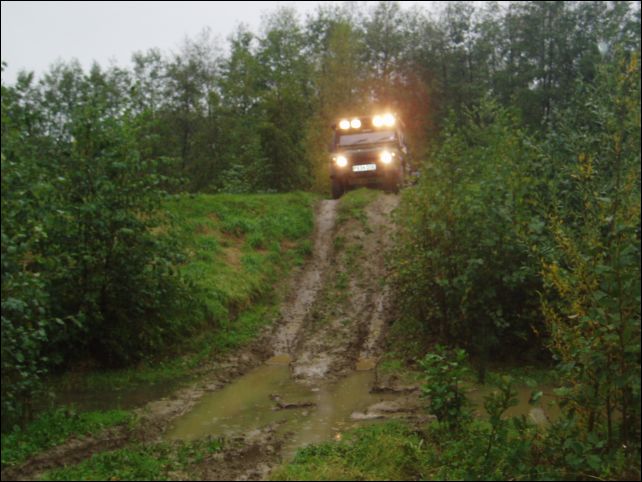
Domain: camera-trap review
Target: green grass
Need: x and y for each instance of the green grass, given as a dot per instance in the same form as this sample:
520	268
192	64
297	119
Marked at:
55	427
352	205
238	245
395	451
160	461
387	451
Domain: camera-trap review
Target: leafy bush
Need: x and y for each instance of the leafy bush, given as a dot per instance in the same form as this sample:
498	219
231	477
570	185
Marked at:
464	268
116	282
541	238
84	267
591	258
443	373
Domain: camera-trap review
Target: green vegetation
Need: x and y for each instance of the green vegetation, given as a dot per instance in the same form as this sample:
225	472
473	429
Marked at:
238	244
82	269
389	451
160	461
464	267
518	242
232	278
442	386
238	248
55	427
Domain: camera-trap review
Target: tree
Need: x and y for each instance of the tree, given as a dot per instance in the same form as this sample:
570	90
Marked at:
285	73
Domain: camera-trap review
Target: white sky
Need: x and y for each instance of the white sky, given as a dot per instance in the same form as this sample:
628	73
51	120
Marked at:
37	34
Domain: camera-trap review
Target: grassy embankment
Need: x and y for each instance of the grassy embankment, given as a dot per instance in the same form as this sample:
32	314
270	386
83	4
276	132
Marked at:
238	248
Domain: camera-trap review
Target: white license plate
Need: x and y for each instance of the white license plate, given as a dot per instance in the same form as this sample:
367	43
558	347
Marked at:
364	167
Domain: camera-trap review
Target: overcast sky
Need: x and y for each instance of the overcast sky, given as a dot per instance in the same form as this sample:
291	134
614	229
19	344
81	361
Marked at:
36	34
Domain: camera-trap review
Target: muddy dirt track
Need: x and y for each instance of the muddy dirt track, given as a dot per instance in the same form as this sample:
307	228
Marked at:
339	304
332	322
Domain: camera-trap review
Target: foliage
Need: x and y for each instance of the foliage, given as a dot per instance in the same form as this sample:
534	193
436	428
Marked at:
579	455
443	373
591	261
54	428
255	115
496	403
559	230
82	268
463	266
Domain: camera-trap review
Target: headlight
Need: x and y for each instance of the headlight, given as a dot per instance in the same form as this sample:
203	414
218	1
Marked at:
342	161
355	123
389	120
377	121
344	124
386	157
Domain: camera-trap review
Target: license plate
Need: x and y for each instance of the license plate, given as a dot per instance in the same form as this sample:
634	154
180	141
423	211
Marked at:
364	167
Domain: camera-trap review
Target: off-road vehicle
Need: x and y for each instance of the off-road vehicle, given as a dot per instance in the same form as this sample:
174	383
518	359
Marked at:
368	150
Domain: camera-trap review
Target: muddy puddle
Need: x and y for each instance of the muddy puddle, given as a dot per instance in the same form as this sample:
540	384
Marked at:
129	397
541	412
303	413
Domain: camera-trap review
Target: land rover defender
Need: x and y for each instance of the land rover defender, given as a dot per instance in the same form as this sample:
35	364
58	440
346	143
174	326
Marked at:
368	150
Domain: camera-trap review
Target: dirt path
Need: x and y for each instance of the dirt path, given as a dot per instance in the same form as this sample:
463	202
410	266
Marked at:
346	322
333	323
333	320
305	287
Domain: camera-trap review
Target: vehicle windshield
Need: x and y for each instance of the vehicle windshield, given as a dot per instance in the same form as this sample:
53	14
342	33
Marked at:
366	138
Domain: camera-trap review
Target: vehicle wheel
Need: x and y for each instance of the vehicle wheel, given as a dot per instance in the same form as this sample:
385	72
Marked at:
393	183
337	188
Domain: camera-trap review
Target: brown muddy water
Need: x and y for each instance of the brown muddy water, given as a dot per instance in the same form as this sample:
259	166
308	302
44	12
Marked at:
542	412
249	404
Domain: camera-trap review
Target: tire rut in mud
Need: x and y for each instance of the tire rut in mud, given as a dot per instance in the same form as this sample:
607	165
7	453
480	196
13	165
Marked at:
349	304
306	286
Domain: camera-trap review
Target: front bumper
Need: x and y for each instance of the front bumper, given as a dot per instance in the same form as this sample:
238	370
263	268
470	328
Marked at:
382	173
